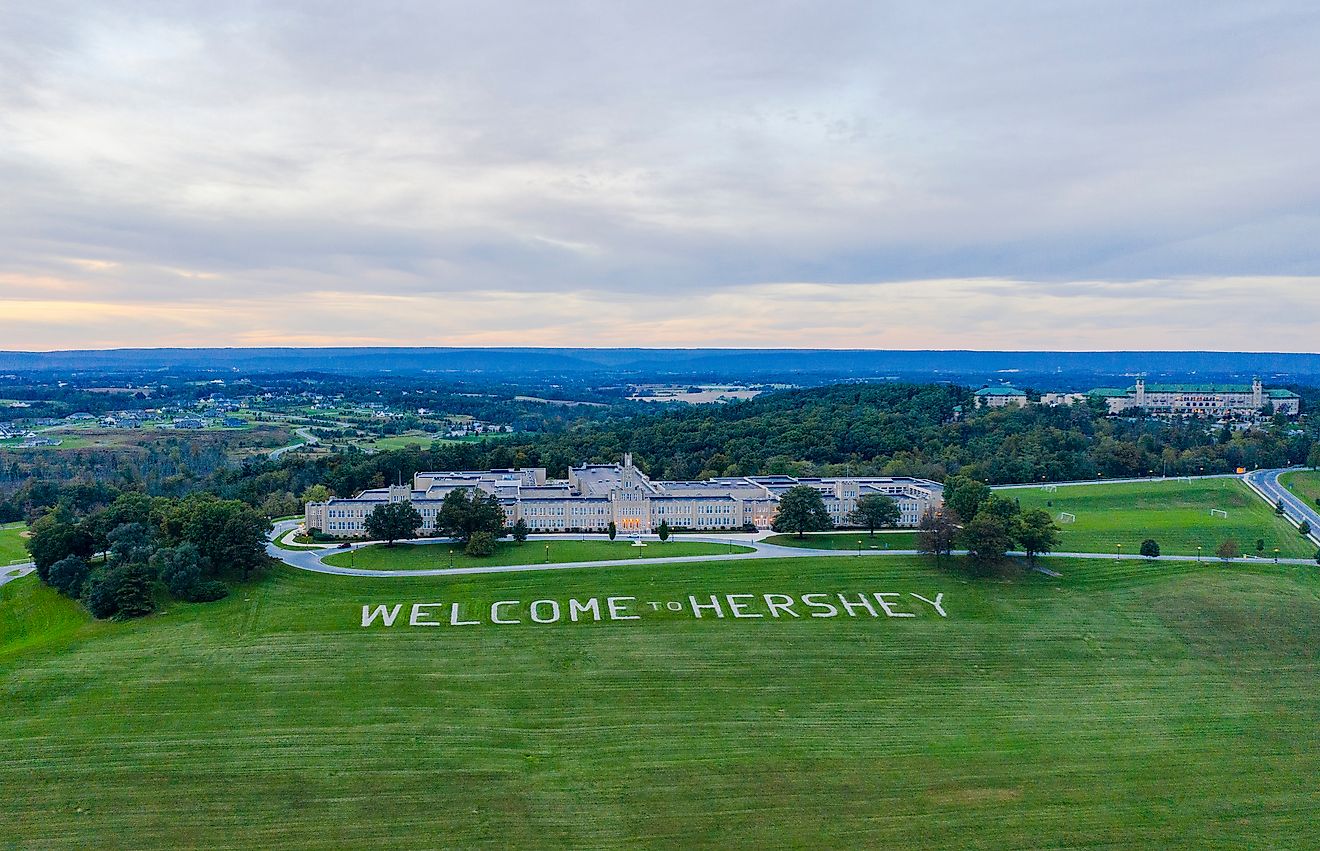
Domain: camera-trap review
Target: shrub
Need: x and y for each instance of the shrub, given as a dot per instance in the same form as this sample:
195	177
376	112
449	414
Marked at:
1150	548
1229	549
68	575
1304	528
208	592
122	591
480	545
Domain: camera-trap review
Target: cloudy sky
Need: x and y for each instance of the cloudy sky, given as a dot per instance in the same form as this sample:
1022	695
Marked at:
1052	175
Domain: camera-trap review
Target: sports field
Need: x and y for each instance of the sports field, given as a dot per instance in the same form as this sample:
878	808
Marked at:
848	541
11	543
1304	483
1122	705
1175	513
433	556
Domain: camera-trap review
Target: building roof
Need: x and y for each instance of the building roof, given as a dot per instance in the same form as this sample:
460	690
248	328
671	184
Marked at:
1281	394
1196	388
1000	391
1109	392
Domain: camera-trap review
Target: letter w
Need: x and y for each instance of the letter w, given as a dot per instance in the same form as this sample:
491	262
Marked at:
387	616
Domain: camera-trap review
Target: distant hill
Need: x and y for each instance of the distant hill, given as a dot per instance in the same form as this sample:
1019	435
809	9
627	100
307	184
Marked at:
739	363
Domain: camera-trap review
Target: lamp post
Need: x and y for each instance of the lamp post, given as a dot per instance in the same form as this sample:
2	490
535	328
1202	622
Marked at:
1276	555
1198	553
1120	550
859	547
547	553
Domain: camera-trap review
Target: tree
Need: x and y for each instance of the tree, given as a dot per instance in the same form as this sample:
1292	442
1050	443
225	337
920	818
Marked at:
122	591
68	576
480	545
988	538
181	568
873	511
1260	545
612	530
937	533
1229	549
802	509
464	512
229	533
54	537
1305	528
663	530
519	530
1150	548
1278	507
393	521
317	493
1036	533
1313	459
963	496
130	543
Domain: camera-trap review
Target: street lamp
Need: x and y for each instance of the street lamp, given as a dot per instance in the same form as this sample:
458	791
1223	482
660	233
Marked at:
1276	555
859	547
547	553
1198	553
1120	550
451	557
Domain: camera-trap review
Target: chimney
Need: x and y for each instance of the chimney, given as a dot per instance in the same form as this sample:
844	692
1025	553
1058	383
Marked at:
627	459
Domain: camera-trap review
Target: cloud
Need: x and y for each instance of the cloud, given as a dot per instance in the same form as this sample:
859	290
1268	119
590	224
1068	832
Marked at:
203	157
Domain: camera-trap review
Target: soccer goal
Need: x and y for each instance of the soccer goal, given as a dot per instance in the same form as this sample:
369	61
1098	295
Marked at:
1050	488
1065	517
1219	512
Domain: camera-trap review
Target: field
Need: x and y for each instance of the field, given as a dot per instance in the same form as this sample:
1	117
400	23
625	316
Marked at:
848	541
1305	484
431	556
1123	705
11	543
403	441
1175	513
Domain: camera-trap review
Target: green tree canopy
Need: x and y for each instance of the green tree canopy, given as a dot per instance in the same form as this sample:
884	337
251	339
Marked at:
464	512
802	509
963	496
873	511
1036	533
393	521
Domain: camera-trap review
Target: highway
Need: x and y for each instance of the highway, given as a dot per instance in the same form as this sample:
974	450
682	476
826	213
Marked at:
1267	484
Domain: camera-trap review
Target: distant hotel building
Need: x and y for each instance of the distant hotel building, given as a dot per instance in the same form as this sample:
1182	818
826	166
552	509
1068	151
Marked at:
1201	400
593	495
1000	397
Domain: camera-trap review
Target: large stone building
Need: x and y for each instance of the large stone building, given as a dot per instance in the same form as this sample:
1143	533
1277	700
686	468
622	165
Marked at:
593	495
1202	400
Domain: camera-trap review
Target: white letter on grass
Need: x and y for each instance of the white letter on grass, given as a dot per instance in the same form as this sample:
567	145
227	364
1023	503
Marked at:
419	613
806	601
618	605
738	609
387	616
786	605
495	611
453	618
888	606
554	611
936	602
575	608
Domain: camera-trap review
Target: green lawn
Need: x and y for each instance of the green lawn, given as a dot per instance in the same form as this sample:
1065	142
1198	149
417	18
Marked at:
1174	513
1123	705
1305	484
11	543
431	556
403	441
848	541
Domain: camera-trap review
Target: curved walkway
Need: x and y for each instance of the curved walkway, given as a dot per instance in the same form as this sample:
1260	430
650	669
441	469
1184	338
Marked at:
311	560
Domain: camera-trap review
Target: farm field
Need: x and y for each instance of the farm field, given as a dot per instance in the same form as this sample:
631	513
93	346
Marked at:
848	541
1175	513
1304	483
1121	705
402	441
432	556
11	543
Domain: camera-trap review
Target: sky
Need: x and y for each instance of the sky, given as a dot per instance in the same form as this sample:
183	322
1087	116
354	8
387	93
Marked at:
1053	175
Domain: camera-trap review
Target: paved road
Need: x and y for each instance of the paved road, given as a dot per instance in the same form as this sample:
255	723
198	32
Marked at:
308	439
1114	481
1267	484
310	560
14	571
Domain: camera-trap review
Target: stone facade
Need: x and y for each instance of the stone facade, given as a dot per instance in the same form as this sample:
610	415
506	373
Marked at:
593	495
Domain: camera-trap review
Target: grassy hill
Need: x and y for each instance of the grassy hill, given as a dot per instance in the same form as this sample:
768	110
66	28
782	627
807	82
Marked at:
11	543
1304	483
1124	705
434	556
1174	513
